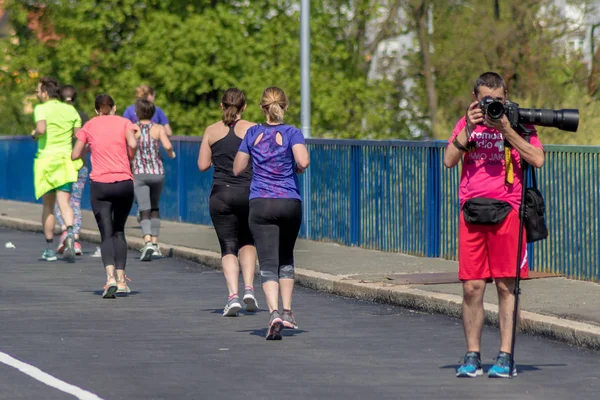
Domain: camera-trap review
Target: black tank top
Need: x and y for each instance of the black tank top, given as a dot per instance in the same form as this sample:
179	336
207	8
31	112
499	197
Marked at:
223	154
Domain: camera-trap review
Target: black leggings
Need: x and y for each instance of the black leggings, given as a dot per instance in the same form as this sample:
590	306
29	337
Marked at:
275	224
111	203
229	208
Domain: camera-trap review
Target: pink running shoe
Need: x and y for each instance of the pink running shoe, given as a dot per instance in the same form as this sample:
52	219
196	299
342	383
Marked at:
62	243
78	249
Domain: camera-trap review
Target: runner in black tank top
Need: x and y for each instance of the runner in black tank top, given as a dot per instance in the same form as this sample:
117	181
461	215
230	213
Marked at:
229	200
223	153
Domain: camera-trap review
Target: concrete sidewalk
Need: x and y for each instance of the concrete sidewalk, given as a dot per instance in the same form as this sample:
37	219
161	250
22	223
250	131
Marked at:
552	307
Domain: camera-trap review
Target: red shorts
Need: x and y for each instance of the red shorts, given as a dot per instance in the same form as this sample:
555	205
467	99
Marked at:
490	251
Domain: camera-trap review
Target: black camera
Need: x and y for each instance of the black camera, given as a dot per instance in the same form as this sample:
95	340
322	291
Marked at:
565	119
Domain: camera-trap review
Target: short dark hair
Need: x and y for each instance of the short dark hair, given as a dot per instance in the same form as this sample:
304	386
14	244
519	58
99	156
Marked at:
68	94
144	109
50	86
491	80
104	104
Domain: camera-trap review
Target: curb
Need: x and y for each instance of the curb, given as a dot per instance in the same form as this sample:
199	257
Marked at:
572	332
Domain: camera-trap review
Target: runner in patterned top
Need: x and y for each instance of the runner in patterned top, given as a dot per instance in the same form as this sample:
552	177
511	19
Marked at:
149	175
147	159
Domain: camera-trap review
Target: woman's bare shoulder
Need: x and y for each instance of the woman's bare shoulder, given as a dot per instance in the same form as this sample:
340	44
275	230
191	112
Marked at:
215	132
245	125
217	126
156	130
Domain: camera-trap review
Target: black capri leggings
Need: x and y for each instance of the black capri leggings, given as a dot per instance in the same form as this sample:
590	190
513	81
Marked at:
229	208
111	203
275	224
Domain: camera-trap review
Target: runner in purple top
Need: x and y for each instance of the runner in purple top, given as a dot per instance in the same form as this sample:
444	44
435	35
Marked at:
145	92
275	173
278	152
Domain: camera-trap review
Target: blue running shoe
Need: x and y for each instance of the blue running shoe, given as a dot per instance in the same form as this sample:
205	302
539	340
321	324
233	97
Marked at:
471	366
501	367
49	255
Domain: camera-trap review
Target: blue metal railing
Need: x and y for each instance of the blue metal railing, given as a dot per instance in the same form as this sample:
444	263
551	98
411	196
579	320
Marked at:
384	195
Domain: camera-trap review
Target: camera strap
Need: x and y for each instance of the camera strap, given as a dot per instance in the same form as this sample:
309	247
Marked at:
509	168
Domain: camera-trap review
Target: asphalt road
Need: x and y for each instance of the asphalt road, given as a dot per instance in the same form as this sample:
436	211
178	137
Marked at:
167	340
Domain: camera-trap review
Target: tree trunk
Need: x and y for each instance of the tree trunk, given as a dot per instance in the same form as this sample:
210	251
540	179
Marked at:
497	10
421	16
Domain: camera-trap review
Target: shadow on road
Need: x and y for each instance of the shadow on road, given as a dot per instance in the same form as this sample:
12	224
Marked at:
241	312
520	367
263	332
99	293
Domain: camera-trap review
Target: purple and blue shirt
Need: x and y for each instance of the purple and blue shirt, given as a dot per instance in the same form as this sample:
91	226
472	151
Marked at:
273	165
159	116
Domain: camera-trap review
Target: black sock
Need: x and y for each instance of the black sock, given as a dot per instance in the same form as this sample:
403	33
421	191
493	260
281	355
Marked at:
69	230
49	243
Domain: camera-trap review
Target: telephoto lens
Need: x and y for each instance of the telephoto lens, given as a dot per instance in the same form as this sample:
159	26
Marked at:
565	119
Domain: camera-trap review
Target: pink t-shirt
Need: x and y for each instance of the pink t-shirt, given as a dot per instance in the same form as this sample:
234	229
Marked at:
108	146
484	168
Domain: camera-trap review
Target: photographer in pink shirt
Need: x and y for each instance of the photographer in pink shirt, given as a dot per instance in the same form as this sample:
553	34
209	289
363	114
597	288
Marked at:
490	197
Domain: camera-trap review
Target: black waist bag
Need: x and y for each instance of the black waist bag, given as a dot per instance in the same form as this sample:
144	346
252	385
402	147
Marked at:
484	211
535	219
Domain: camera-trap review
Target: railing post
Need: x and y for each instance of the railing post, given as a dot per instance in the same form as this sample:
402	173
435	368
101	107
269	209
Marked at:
529	183
4	166
433	203
355	179
181	190
307	203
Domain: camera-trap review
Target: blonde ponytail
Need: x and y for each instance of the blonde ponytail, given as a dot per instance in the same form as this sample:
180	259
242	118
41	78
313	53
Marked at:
274	104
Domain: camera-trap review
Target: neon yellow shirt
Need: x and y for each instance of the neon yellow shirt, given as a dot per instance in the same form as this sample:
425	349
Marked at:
53	167
60	119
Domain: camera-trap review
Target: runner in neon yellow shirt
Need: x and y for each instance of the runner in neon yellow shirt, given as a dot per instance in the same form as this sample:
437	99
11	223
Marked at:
53	170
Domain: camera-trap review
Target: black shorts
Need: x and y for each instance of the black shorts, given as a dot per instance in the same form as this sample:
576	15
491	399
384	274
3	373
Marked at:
229	208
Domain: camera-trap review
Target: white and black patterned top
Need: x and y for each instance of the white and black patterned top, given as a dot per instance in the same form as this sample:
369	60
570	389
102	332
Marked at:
147	158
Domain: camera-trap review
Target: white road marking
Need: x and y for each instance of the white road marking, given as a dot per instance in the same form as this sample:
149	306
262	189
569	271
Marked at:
47	379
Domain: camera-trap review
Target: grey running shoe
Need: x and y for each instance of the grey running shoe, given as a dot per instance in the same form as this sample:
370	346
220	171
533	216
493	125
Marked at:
97	252
289	322
232	307
250	300
147	252
69	252
275	326
49	255
157	253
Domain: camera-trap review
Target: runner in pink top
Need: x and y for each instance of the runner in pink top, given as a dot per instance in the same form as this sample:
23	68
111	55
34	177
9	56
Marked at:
484	168
490	198
106	137
111	140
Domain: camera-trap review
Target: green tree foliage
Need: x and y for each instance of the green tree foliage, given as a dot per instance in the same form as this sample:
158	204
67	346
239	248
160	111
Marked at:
522	40
190	51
